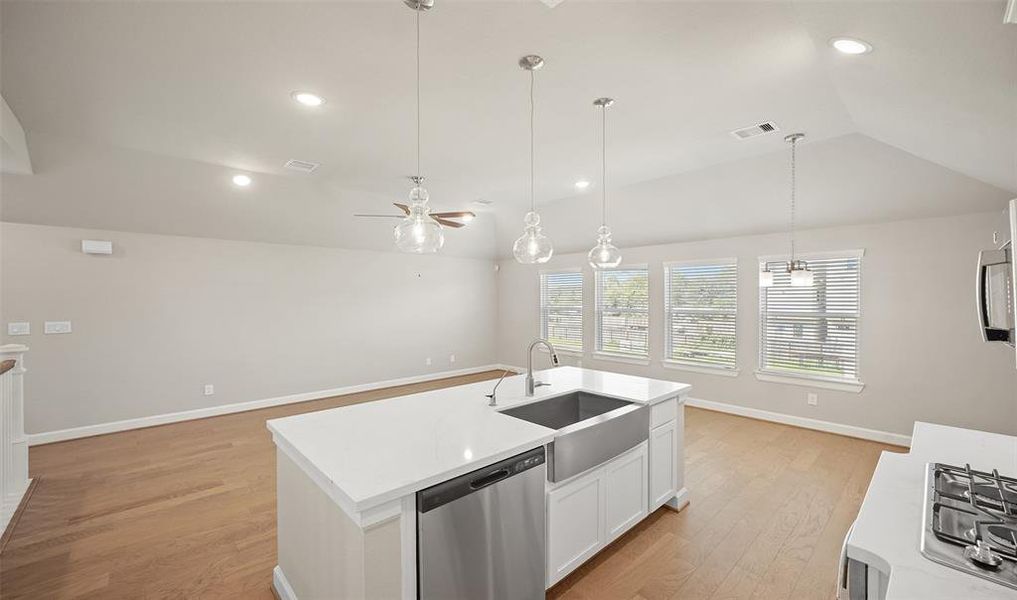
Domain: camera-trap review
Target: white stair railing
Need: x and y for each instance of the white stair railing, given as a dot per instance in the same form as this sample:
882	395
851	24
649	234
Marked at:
13	443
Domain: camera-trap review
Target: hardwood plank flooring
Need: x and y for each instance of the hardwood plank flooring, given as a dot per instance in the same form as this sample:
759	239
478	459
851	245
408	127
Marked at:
188	511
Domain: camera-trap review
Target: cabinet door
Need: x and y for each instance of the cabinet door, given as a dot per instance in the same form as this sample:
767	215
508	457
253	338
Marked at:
663	463
575	524
625	494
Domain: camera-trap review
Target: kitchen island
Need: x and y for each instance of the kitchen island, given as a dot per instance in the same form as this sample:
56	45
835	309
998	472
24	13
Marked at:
348	477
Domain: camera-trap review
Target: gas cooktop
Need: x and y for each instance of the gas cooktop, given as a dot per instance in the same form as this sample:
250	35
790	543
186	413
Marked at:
970	522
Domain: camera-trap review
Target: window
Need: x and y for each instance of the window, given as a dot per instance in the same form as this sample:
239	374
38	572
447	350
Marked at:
812	332
700	303
623	302
561	309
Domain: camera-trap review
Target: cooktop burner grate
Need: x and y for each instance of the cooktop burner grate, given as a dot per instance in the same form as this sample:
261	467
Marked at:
971	522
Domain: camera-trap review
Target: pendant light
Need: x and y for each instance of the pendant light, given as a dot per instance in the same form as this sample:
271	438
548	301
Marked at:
418	233
604	255
801	276
533	247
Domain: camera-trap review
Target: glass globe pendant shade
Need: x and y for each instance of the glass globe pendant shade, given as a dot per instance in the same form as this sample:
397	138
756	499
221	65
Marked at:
532	247
765	278
604	255
801	276
418	233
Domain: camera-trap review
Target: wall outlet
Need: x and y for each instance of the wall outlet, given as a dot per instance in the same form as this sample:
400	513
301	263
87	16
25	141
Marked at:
57	327
19	328
427	361
209	389
451	359
812	399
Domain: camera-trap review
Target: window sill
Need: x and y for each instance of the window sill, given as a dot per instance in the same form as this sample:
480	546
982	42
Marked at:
814	382
681	366
621	358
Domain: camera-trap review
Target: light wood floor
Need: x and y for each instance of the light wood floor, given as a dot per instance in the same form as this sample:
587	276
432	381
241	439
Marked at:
188	511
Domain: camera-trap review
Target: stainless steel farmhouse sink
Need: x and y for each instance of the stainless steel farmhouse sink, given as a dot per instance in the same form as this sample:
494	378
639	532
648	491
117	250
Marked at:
591	429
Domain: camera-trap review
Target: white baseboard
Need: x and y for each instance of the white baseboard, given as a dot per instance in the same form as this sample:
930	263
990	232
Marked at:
281	586
48	437
885	437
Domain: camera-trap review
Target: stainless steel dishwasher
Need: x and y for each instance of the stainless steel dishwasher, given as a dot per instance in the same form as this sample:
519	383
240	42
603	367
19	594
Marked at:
481	535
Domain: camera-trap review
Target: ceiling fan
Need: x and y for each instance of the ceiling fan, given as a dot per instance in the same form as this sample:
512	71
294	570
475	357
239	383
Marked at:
455	219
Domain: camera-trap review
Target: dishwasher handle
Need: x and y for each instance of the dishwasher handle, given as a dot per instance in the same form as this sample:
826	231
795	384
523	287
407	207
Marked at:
445	492
490	478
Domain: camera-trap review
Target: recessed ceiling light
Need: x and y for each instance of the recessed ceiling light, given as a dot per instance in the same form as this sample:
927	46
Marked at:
307	98
241	180
582	184
851	45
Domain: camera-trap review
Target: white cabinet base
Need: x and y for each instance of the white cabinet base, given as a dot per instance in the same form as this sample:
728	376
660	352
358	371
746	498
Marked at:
586	513
679	500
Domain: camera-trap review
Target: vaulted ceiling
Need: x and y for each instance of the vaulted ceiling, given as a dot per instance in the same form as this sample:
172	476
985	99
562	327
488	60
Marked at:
138	113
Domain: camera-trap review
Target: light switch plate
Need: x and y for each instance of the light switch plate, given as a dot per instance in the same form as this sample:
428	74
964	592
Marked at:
57	327
813	399
19	328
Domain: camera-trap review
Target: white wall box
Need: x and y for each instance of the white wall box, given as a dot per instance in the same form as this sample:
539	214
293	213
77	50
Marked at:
57	327
19	328
96	247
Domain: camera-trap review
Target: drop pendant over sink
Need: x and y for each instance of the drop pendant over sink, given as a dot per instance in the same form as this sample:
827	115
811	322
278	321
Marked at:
590	429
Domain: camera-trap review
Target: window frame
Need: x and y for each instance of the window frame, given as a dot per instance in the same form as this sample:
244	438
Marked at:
844	384
582	308
682	365
598	352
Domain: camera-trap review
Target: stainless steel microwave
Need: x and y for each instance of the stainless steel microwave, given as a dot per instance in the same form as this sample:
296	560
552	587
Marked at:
997	283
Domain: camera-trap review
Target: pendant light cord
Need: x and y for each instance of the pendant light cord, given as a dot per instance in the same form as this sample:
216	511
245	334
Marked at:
603	165
418	91
794	142
533	203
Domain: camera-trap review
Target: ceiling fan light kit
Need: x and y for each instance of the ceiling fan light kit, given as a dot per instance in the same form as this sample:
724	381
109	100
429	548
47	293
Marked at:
533	247
801	275
604	255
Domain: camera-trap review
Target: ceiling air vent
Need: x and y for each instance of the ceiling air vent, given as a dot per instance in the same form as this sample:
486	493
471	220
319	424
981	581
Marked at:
749	132
301	165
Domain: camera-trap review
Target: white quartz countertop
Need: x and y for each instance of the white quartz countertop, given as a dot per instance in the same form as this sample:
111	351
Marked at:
369	454
887	533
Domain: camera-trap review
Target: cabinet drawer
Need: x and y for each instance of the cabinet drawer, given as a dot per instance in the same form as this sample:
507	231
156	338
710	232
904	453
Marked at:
662	412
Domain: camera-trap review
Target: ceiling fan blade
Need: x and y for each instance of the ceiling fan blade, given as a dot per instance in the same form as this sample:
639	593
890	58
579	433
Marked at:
447	223
381	216
459	214
403	207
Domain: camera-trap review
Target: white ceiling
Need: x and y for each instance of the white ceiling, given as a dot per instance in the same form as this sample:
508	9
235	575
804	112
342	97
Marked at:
110	88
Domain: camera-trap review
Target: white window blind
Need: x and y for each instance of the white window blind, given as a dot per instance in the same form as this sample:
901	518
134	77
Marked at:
623	303
812	331
561	309
701	302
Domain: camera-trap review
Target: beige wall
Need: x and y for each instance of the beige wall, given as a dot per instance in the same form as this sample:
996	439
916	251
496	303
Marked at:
165	315
921	354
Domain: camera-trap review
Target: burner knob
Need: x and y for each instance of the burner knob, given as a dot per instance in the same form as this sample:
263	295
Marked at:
982	555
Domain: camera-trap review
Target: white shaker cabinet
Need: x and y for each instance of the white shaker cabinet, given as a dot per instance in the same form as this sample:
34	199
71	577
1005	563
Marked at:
585	513
667	455
625	491
663	454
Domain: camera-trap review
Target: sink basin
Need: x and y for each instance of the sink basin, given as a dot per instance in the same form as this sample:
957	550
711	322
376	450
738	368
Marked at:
591	429
562	411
